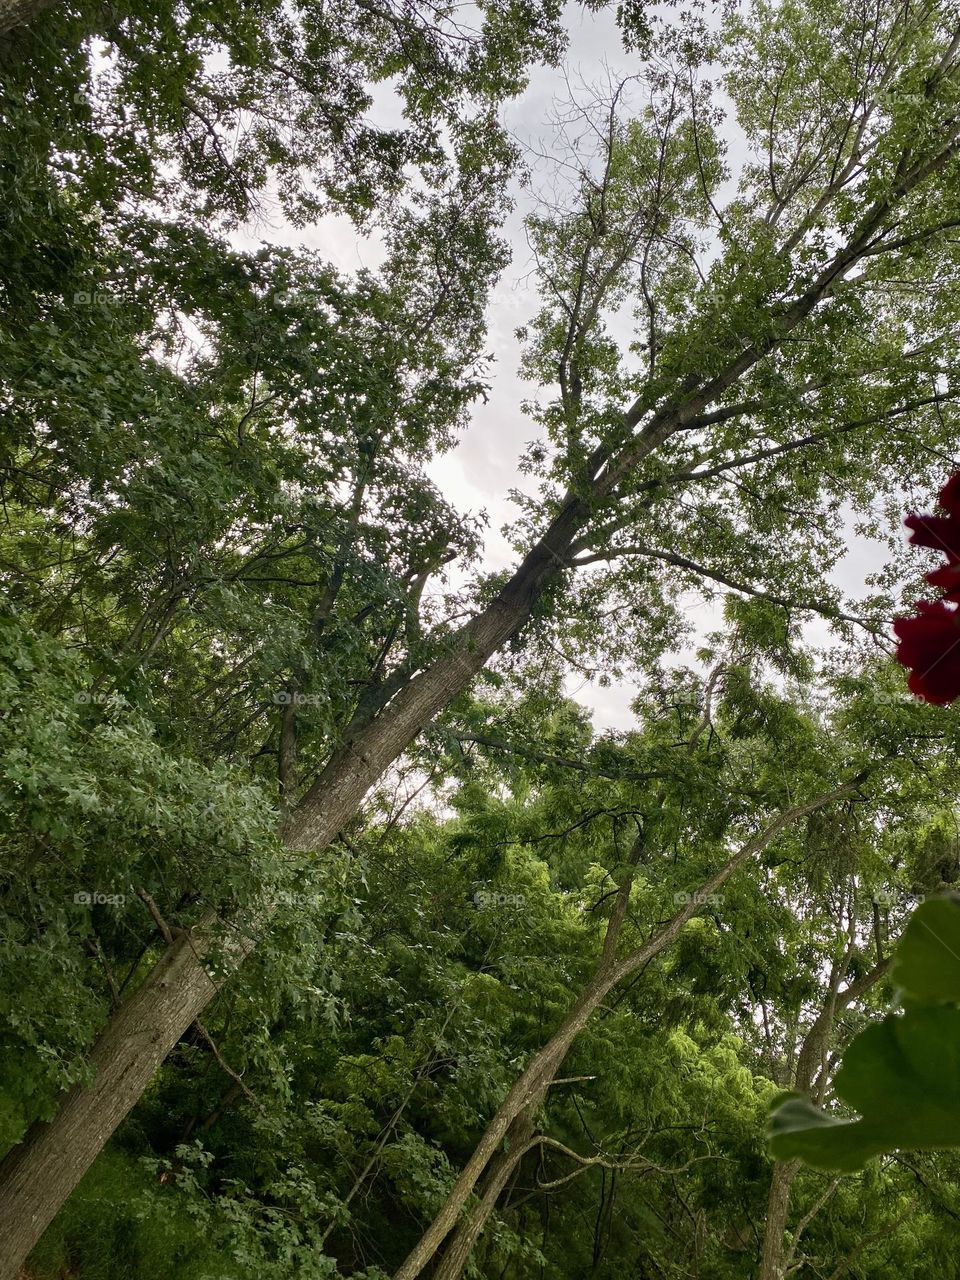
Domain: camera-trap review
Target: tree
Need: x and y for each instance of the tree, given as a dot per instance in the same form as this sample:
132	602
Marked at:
809	364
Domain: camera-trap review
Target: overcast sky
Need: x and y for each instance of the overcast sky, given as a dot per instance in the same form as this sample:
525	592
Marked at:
482	469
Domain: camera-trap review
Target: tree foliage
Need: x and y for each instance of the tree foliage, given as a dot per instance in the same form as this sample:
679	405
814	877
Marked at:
516	995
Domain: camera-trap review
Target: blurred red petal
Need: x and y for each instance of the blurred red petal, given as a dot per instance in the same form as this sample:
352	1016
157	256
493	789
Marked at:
930	645
949	497
947	578
942	533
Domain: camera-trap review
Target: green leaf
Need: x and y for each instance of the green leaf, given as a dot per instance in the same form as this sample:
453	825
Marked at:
902	1075
927	964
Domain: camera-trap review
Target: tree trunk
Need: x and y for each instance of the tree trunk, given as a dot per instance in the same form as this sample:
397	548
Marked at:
39	1174
354	768
16	13
517	1144
530	1088
525	1095
775	1225
774	1258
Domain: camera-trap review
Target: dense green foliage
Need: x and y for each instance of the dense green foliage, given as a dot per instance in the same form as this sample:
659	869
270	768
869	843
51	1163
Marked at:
407	978
224	558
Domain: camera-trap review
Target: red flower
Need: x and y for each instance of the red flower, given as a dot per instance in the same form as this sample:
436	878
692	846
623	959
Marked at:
947	577
942	533
930	642
949	495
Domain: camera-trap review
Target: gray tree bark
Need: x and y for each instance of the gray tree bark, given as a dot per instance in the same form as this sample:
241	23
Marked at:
457	1253
40	1173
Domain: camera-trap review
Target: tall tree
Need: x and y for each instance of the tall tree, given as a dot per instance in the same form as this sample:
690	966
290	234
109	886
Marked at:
796	353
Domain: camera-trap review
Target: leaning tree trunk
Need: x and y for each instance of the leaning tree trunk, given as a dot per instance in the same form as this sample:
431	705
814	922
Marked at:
524	1097
40	1173
774	1257
37	1176
85	1125
530	1088
516	1145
